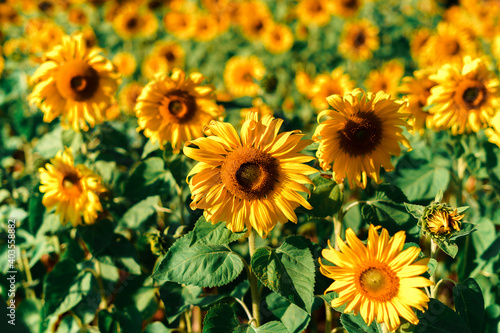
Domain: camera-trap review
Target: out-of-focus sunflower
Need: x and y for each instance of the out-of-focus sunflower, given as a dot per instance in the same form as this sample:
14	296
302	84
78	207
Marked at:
359	136
379	280
359	40
174	109
125	63
127	98
417	90
346	8
278	38
76	83
258	106
205	27
324	85
386	79
132	21
313	12
254	26
464	98
448	45
165	56
78	16
89	36
493	132
304	82
73	190
418	41
179	23
9	15
253	181
240	75
43	35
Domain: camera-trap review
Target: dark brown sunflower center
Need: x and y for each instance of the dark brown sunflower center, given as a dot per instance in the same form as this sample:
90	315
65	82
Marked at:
359	39
378	282
169	56
258	26
247	77
45	6
351	4
452	47
178	106
71	184
361	133
76	80
473	96
132	23
249	173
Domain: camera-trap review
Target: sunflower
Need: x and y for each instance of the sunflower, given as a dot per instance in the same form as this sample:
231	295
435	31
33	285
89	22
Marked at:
465	98
346	8
449	45
132	21
359	40
125	63
360	135
179	24
386	79
417	90
258	106
444	222
253	181
378	280
418	41
75	83
165	56
174	109
240	75
73	190
206	27
493	133
127	98
254	26
313	12
324	85
278	38
304	82
78	16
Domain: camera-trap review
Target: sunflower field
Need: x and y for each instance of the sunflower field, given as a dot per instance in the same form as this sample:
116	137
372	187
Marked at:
258	166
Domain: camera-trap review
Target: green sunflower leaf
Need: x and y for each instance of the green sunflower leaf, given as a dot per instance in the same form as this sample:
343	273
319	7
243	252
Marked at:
356	324
288	271
214	234
469	303
202	265
221	318
326	198
439	318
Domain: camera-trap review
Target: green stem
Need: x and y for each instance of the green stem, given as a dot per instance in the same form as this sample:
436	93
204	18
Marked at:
254	285
434	250
329	315
104	300
187	318
338	221
436	288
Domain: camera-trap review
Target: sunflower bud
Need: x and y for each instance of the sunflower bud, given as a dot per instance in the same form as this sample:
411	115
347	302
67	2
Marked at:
444	221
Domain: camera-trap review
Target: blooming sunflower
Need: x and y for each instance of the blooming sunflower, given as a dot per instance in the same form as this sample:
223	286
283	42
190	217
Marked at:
346	8
313	12
76	83
180	24
125	63
254	26
174	109
278	38
253	181
132	21
465	98
127	98
449	45
336	83
493	133
240	75
360	135
417	90
206	27
386	79
73	190
359	40
379	280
